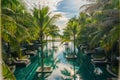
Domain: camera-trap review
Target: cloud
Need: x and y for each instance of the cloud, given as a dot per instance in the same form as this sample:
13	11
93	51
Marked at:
61	22
70	7
67	8
52	4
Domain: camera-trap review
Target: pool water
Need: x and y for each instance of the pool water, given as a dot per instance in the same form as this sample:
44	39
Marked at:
84	69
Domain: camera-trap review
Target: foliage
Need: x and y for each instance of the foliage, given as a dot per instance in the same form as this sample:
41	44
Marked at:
71	30
65	72
17	26
7	74
99	24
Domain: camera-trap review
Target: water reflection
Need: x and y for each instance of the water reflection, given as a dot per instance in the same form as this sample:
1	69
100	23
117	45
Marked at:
63	64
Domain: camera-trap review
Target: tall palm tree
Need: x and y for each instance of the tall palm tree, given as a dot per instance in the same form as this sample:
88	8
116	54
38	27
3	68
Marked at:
66	36
73	29
54	33
13	32
105	14
105	28
15	29
42	19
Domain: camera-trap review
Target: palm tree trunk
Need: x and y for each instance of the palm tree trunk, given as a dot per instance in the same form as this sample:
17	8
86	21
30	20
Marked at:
74	55
47	46
42	55
53	46
119	54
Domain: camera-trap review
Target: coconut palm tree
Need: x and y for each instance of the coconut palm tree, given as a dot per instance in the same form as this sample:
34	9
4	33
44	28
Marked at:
42	19
105	14
105	22
10	27
72	29
14	26
53	32
66	36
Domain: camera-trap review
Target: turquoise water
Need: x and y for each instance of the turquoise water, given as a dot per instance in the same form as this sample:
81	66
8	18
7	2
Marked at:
84	69
27	73
87	69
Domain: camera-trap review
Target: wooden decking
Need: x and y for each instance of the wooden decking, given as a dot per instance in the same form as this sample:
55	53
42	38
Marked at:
71	57
47	69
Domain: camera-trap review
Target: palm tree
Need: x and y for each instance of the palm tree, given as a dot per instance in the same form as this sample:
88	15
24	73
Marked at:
105	13
66	36
11	30
53	32
105	22
72	29
85	21
17	26
15	29
42	19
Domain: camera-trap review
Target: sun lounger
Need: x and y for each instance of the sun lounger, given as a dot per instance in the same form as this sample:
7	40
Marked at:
71	56
89	52
31	53
100	62
99	50
21	62
99	59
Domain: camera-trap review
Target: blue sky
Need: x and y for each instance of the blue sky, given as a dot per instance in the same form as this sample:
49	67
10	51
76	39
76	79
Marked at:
67	8
70	9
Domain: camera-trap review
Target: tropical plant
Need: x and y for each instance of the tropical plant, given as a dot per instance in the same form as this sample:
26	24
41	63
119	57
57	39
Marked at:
104	23
106	19
6	72
52	32
15	29
42	19
72	30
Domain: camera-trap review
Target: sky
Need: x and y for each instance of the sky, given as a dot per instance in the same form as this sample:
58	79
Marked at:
67	8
